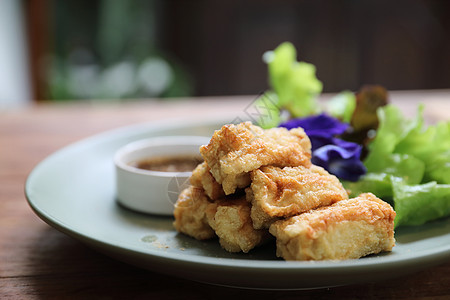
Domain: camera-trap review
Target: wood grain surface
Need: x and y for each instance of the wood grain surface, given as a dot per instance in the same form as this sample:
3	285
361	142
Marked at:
37	261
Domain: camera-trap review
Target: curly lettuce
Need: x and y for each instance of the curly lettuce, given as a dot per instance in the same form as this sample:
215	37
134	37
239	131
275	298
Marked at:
294	85
409	166
418	204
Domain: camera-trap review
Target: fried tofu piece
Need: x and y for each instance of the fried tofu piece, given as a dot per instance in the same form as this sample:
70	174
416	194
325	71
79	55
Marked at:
202	178
235	150
230	219
190	214
348	229
284	192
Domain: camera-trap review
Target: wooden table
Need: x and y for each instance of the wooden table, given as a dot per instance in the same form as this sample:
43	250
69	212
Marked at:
37	261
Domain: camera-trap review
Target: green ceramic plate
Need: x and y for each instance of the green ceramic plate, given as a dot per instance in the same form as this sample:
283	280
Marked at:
74	191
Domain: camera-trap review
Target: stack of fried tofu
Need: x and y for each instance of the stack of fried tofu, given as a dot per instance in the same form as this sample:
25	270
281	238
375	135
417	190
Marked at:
256	185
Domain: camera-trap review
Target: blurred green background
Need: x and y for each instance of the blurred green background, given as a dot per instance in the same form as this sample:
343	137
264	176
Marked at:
111	50
104	49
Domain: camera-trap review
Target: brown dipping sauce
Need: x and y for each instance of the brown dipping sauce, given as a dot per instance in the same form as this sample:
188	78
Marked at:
186	163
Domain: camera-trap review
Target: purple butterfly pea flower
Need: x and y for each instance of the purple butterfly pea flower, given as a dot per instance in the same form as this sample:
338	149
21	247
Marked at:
337	156
320	129
341	159
319	124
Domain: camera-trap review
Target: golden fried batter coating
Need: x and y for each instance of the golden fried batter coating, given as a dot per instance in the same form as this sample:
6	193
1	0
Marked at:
284	192
235	150
190	214
345	230
230	219
202	178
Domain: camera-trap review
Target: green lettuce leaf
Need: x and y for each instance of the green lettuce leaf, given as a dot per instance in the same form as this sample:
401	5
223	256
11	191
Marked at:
432	146
377	183
438	168
295	83
418	204
342	106
413	163
392	129
405	168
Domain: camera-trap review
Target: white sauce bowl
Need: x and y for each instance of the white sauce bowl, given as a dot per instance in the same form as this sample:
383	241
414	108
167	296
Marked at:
148	191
